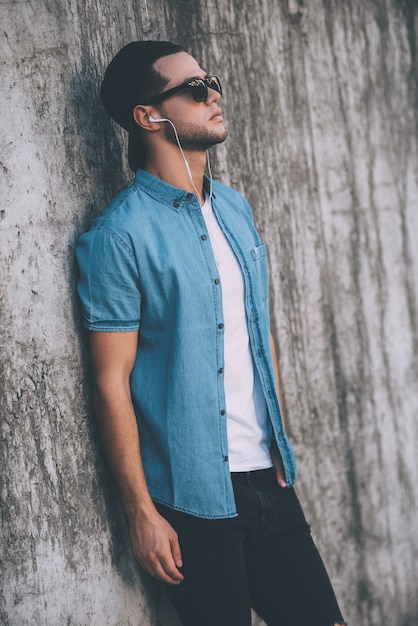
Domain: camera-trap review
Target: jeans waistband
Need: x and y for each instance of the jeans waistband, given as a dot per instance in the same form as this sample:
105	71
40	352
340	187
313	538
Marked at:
251	474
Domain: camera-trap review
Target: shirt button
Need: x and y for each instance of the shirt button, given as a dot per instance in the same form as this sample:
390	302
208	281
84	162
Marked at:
176	204
217	281
220	325
223	412
221	370
189	196
203	237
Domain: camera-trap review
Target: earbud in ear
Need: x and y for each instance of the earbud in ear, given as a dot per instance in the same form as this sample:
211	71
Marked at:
161	119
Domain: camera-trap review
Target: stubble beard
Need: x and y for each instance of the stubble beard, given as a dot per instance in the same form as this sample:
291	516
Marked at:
194	138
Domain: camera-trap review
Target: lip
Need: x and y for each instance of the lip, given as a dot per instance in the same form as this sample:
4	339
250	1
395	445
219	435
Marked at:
216	116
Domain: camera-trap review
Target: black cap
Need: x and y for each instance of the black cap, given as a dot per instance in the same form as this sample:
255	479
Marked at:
125	84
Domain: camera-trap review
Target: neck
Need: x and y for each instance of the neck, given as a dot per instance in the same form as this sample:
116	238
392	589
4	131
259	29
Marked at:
171	168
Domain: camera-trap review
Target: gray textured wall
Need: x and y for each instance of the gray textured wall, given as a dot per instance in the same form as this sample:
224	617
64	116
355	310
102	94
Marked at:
322	114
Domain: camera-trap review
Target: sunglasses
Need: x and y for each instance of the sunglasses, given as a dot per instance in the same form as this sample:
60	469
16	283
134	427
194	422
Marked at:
197	87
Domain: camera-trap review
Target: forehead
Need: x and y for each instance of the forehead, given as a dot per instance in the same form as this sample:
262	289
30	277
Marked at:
178	68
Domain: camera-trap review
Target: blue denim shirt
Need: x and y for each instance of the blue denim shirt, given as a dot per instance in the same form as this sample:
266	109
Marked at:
147	264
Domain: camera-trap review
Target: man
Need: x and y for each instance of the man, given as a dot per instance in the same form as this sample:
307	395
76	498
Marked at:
173	282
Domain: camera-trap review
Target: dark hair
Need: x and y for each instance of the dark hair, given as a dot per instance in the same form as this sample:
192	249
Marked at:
153	83
131	78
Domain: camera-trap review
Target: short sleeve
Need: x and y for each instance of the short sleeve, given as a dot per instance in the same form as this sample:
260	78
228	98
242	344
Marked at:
109	282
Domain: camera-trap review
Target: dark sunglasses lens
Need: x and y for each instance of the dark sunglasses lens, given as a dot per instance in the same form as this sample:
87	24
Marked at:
214	83
199	90
199	87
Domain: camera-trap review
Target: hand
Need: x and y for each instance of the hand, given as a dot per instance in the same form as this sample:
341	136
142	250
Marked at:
156	547
278	466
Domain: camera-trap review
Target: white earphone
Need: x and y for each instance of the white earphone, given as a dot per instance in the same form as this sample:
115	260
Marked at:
162	119
165	119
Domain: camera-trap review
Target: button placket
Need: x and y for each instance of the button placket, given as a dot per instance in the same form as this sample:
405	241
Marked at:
204	238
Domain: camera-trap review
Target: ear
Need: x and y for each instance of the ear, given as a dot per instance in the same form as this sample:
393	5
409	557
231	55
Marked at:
141	115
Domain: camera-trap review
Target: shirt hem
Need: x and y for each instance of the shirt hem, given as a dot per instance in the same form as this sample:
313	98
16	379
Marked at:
195	513
110	328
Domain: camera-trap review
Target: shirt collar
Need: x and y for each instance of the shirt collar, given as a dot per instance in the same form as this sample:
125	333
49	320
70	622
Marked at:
169	195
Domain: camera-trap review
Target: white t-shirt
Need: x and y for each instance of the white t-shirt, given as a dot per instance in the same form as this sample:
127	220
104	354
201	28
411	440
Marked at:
248	425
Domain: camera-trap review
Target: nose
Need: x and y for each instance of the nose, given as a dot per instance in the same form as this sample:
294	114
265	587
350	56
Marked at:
213	96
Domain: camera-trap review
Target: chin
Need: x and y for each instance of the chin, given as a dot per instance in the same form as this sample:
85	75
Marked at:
219	137
223	135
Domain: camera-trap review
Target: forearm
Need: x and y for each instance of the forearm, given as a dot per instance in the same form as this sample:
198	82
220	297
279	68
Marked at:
154	542
275	454
276	373
119	434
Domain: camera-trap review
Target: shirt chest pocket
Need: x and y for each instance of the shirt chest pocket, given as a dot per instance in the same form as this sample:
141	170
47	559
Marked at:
259	256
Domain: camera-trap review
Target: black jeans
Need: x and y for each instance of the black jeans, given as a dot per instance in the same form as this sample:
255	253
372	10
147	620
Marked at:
264	558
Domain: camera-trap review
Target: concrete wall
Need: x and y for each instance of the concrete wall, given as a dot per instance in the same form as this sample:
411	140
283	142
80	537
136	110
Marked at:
322	113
